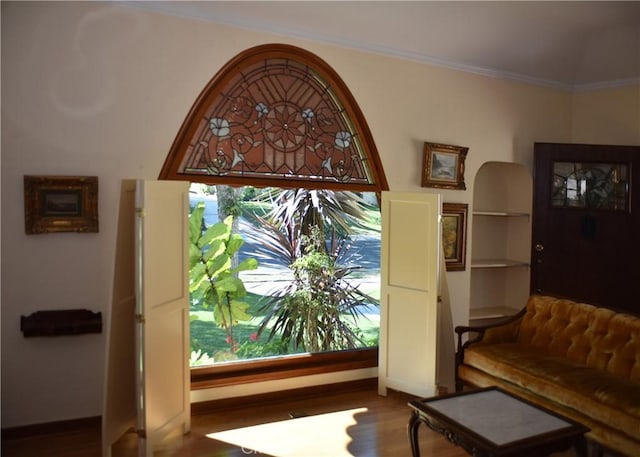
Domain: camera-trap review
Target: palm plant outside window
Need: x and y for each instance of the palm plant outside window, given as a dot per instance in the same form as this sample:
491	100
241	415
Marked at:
313	294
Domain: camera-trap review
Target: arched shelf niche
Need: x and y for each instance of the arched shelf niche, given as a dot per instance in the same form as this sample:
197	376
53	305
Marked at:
501	240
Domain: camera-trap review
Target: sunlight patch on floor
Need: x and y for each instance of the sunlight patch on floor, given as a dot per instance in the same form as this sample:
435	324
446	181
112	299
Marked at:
322	434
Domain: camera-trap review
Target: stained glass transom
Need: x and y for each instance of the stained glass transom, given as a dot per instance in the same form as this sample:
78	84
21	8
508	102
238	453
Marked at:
277	118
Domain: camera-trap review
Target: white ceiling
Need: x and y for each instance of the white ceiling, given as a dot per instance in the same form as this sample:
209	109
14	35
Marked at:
572	45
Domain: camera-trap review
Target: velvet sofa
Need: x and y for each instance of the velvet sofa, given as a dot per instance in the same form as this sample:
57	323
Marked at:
573	358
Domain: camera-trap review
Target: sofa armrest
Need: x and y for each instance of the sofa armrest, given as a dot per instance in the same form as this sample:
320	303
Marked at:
461	330
479	331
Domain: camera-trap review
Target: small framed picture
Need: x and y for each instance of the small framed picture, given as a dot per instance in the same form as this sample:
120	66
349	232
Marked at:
443	166
60	204
454	235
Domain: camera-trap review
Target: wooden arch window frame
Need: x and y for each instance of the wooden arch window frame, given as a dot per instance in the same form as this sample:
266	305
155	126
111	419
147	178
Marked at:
277	116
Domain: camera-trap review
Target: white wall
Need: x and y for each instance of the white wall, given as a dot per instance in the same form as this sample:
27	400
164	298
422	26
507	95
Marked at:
607	116
95	89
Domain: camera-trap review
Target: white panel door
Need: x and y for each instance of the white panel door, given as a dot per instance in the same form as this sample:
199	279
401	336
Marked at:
409	267
162	311
119	407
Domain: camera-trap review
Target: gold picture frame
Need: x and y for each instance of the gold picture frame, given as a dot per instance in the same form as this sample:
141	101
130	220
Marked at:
443	166
60	204
454	235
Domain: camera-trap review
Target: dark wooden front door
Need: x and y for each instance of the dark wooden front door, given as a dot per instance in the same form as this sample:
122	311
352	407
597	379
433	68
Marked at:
586	224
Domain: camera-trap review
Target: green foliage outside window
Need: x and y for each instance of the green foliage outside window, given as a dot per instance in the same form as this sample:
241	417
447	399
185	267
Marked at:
213	281
319	309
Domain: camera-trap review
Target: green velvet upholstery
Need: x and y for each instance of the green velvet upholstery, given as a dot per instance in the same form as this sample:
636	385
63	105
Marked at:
573	358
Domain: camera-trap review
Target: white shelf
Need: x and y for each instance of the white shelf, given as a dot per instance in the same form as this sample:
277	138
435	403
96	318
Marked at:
494	312
497	263
501	241
500	213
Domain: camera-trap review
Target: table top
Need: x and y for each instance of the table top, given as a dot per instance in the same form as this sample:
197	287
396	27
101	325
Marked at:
496	416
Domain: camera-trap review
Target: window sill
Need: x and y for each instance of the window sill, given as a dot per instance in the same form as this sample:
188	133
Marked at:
231	373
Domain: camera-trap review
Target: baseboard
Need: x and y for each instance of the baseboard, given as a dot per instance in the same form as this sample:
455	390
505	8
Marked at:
51	428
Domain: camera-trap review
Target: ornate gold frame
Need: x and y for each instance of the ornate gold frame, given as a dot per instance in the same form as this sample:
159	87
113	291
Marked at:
60	204
443	166
454	235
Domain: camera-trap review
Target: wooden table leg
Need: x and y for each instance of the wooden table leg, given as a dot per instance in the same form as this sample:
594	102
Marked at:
414	424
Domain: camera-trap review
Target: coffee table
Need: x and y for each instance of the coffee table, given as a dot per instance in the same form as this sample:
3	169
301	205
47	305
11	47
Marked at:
492	422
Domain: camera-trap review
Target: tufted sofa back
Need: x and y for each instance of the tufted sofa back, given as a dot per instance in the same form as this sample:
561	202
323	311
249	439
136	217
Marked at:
596	337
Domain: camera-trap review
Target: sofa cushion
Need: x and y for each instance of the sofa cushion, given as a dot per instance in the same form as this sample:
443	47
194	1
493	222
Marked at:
594	393
582	333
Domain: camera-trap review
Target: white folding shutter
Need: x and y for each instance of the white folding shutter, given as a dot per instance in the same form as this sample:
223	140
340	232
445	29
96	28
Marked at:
119	403
162	312
409	292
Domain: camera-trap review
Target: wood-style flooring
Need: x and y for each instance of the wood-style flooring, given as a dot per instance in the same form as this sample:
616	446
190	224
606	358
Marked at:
352	423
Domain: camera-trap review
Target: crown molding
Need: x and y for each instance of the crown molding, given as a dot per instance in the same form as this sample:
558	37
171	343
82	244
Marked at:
617	84
292	32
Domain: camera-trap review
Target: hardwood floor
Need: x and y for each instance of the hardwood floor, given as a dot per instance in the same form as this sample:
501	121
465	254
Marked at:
352	423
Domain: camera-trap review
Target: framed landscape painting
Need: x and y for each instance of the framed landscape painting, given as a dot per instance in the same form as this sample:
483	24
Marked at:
60	204
443	166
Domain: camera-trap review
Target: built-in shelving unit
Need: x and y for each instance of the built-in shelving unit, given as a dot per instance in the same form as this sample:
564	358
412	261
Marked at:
497	263
501	241
495	312
500	213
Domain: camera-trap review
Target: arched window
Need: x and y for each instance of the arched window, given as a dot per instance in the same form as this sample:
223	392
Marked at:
276	115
